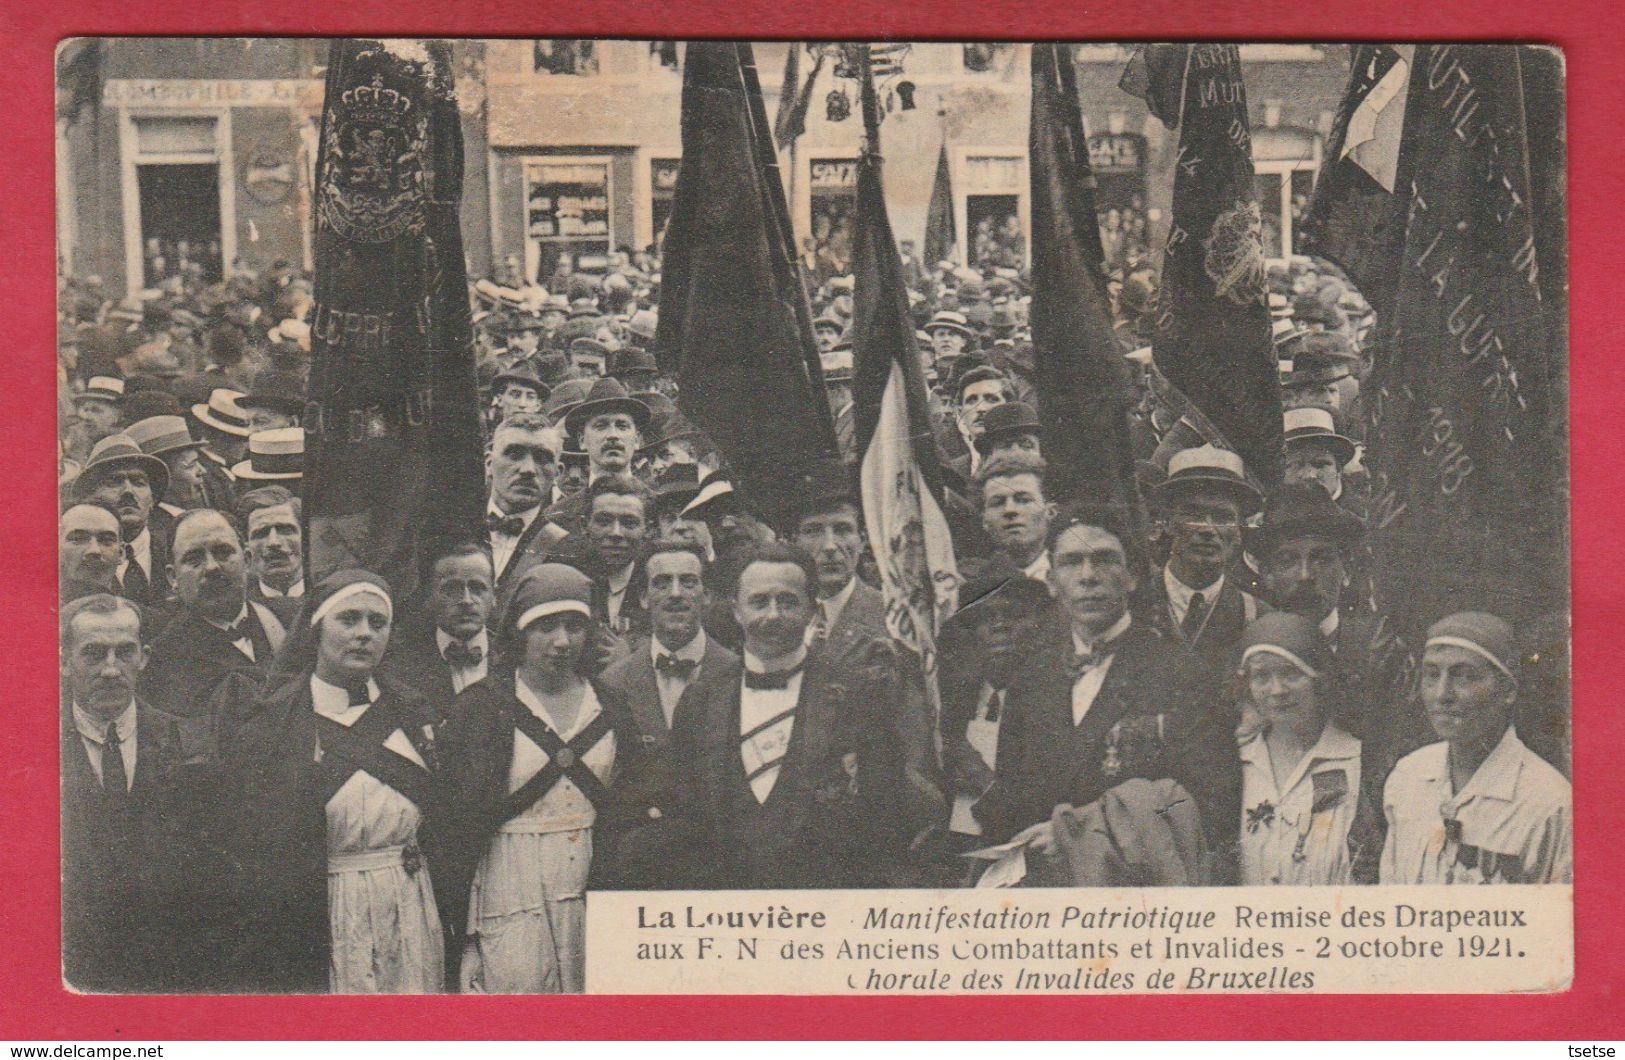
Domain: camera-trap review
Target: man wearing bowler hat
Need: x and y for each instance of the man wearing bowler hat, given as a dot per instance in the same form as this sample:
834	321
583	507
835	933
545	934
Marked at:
1203	504
277	399
1010	427
129	483
635	367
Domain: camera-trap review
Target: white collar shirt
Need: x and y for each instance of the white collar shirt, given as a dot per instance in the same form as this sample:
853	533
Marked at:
615	595
1328	626
1180	594
1296	833
92	733
503	545
243	644
1038	570
295	591
141	545
670	686
463	676
1088	684
1511	823
766	720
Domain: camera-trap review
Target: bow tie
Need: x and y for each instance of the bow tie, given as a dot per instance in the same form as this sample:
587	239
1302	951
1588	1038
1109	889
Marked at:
682	669
359	696
238	631
464	656
506	525
775	680
1082	662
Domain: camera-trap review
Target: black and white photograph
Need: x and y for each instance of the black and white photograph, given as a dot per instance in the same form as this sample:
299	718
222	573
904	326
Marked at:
499	476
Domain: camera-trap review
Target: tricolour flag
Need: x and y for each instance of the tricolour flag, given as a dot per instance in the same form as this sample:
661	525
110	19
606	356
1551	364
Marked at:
393	446
900	481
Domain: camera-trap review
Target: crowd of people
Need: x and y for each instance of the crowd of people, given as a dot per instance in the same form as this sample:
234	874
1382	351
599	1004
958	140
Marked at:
633	681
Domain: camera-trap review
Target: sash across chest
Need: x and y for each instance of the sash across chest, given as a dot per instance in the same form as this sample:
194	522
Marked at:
563	760
347	750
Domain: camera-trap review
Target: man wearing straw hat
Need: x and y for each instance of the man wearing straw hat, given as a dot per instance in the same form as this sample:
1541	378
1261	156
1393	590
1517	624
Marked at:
225	427
273	456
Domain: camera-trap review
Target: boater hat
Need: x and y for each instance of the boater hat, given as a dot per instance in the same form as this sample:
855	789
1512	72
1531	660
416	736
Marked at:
224	412
607	395
1208	467
1317	424
102	388
948	319
157	435
116	451
275	455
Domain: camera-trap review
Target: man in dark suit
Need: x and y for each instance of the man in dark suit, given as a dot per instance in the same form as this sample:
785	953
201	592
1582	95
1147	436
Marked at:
617	523
795	775
1195	600
448	647
129	483
651	679
124	850
216	629
1106	701
271	517
849	622
524	452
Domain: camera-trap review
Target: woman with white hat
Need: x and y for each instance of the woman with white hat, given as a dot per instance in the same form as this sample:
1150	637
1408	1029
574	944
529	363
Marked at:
1303	821
530	753
337	790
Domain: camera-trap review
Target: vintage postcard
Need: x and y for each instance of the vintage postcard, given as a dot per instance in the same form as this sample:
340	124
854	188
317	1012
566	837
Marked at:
711	517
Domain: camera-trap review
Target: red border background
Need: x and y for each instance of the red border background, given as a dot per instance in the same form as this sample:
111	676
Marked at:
33	1005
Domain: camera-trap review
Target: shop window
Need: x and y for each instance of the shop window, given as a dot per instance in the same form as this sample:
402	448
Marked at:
833	187
567	204
578	57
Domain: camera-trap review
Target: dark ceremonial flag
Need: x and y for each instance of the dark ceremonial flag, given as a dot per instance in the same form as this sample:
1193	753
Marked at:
941	241
393	446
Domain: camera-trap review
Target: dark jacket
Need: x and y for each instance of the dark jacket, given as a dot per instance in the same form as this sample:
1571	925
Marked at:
161	532
1219	637
650	790
834	818
279	826
137	914
1157	716
190	660
415	661
476	750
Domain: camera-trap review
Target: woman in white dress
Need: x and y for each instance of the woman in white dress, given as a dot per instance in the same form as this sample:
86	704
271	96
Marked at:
337	782
530	753
1303	817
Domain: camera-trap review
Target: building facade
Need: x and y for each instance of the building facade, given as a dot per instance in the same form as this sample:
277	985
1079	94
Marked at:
202	151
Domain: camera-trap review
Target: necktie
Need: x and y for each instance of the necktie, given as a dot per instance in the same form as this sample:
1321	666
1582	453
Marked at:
995	705
819	629
775	680
463	655
506	525
672	666
115	781
135	584
1195	614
